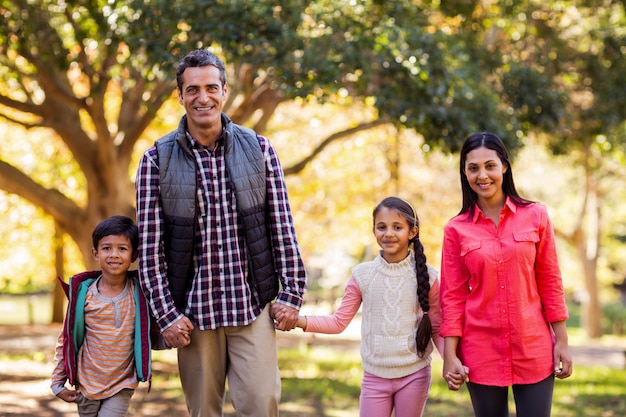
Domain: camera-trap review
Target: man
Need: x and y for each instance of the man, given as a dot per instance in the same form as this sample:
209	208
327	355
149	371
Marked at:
217	245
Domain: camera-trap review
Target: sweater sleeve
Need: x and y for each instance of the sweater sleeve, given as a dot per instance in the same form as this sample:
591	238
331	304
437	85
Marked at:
59	376
340	319
435	315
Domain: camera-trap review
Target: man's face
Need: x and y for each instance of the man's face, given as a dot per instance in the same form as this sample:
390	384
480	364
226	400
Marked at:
202	95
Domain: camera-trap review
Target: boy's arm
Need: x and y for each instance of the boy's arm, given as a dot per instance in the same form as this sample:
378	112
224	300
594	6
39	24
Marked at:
59	377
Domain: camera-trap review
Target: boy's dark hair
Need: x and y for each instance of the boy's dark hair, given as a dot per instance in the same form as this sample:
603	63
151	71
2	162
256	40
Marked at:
424	328
117	226
199	58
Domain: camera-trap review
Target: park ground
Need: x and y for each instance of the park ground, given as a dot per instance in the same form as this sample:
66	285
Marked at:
26	363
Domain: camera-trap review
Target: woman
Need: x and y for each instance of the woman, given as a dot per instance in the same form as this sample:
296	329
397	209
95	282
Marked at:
502	295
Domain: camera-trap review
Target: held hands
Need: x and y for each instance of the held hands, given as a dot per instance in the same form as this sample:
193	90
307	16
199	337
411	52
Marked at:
285	317
178	335
455	373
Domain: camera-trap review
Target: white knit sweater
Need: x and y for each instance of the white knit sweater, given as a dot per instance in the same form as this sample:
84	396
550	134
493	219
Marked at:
390	316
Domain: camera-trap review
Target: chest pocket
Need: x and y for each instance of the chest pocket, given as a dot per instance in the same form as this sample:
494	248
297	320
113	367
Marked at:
468	247
472	259
526	246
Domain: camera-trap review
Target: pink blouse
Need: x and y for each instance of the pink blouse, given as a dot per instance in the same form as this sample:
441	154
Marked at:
500	290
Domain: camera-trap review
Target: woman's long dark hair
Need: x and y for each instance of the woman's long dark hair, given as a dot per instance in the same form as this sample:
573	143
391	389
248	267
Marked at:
490	141
424	327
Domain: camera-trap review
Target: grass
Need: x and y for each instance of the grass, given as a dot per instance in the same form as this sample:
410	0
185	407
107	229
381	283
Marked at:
325	382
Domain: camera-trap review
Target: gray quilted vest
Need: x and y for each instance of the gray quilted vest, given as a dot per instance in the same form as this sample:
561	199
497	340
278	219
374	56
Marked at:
245	164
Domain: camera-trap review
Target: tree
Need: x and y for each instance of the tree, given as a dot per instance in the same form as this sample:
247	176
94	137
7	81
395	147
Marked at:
95	72
581	47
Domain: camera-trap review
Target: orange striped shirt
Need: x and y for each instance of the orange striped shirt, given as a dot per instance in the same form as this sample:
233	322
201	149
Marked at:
106	362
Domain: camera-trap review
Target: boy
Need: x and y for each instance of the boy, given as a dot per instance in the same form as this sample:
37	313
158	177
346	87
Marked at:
104	347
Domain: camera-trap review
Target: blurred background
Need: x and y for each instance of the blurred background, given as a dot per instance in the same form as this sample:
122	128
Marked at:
361	98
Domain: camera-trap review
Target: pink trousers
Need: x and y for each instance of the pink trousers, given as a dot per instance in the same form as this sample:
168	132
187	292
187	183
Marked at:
407	395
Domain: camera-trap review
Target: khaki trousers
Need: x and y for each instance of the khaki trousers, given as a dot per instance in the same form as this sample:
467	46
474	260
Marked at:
246	356
114	406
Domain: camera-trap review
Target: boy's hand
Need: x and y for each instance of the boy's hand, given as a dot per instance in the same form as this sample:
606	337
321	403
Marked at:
178	335
69	396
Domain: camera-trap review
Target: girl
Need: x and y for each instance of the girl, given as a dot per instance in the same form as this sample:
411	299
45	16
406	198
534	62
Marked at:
400	296
502	295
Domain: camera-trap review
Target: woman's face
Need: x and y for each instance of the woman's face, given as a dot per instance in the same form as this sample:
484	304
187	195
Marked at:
485	171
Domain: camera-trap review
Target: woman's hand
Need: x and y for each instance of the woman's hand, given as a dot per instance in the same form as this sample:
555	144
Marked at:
455	373
563	366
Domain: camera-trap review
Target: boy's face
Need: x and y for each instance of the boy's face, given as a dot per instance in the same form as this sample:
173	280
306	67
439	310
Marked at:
114	254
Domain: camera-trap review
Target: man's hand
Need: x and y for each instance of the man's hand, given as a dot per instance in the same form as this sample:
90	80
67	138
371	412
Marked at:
178	335
286	317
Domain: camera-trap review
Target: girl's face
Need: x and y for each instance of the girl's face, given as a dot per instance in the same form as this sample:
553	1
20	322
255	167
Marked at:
484	171
393	232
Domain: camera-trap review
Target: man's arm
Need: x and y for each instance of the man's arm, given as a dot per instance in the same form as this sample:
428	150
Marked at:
152	270
287	259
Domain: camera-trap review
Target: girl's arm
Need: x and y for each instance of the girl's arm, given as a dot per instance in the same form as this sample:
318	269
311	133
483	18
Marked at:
340	319
435	315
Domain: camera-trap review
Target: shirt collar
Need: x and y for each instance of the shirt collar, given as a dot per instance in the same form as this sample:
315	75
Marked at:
509	206
194	144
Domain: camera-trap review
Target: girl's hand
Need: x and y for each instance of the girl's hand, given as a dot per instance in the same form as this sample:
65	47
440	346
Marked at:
455	380
455	373
286	318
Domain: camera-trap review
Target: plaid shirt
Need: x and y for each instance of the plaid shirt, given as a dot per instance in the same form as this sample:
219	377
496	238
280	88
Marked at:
220	295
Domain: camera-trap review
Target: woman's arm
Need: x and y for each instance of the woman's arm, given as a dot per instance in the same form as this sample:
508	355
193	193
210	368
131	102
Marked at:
454	372
563	365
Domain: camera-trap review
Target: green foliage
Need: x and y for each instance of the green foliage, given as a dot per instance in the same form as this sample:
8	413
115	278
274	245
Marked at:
440	69
422	76
615	318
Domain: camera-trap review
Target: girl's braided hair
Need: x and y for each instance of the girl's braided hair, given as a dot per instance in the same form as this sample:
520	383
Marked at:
424	327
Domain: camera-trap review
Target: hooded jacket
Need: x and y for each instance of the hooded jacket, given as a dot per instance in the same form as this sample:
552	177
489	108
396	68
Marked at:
74	325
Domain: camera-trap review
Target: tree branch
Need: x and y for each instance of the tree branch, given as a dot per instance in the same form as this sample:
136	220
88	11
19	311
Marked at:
61	208
299	166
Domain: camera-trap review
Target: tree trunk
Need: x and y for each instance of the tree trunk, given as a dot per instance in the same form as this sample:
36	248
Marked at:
586	240
58	296
591	318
